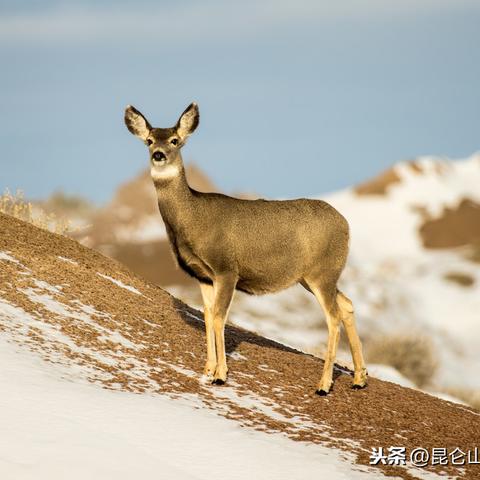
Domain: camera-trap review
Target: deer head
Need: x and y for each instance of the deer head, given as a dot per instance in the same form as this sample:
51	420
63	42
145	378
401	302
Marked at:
164	144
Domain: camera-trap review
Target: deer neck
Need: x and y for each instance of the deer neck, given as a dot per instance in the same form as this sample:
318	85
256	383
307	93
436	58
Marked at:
175	198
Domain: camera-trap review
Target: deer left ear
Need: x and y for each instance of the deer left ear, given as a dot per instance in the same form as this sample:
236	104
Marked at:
188	121
137	123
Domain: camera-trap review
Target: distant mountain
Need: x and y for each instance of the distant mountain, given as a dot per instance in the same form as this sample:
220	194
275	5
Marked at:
427	203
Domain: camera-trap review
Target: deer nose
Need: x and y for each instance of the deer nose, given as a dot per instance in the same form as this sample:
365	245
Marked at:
158	156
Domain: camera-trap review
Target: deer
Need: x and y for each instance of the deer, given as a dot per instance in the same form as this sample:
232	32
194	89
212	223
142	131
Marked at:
254	246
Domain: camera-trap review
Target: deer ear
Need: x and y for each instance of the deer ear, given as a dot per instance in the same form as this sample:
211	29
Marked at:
188	121
137	123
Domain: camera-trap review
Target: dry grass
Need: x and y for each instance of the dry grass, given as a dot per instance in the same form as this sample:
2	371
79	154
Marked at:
412	355
16	206
460	278
61	204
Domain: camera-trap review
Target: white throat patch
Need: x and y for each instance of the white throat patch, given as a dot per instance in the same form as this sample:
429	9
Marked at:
164	172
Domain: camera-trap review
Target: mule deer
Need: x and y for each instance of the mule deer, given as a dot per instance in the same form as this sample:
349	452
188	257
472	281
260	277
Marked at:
256	246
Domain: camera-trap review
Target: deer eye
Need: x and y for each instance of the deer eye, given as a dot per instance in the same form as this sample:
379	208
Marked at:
149	142
174	141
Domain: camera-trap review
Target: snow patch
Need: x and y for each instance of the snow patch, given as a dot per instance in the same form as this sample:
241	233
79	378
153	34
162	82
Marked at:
8	258
236	356
68	260
120	284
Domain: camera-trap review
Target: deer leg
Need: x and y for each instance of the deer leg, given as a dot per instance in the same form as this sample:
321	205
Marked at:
224	288
207	296
326	296
348	319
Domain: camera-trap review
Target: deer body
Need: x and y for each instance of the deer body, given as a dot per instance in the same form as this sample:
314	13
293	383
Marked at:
268	245
256	246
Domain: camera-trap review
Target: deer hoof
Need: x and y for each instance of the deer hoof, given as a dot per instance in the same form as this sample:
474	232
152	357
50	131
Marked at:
360	378
220	376
357	386
324	386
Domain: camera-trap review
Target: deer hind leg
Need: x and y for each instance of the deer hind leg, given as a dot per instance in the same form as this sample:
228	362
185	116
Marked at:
208	299
348	319
326	296
224	288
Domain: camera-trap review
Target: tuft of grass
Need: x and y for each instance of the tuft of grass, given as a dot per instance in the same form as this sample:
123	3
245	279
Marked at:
412	355
460	278
16	206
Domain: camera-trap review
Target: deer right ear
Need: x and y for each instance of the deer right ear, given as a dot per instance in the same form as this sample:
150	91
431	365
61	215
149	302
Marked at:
137	123
188	121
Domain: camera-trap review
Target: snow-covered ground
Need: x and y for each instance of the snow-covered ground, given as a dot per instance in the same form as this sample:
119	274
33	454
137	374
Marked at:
53	428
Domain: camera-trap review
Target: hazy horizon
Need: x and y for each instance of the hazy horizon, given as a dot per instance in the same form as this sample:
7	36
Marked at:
296	98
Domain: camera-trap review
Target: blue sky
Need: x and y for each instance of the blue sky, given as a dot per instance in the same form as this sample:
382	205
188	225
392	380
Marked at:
297	98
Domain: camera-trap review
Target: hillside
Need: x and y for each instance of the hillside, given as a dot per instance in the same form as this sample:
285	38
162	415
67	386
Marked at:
91	321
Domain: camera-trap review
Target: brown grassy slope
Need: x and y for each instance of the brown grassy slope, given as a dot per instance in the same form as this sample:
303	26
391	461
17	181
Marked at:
147	341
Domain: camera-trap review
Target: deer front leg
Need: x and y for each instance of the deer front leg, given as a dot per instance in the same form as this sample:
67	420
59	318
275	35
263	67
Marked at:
333	336
224	288
326	295
207	296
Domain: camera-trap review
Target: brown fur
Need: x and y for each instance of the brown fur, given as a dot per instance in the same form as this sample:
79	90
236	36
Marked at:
256	246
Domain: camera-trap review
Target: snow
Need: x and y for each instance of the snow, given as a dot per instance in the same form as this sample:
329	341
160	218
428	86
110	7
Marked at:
120	284
54	429
67	260
21	322
8	258
150	228
236	356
